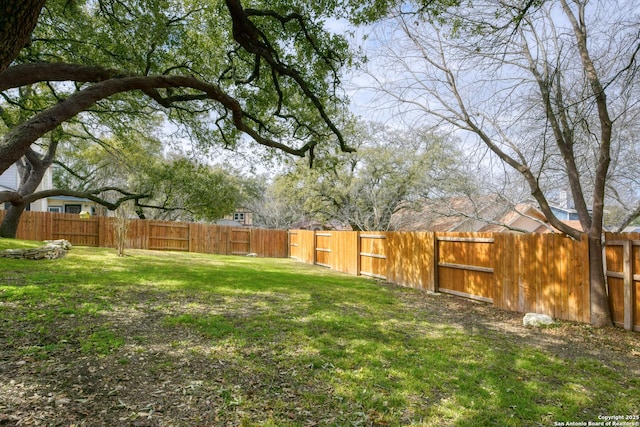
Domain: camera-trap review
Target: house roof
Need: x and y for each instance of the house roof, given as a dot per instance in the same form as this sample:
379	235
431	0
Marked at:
570	222
451	214
485	214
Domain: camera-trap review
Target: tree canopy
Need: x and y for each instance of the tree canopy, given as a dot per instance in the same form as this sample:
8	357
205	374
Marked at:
167	186
215	69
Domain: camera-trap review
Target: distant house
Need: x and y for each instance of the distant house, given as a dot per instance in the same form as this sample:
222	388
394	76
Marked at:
68	204
484	214
565	214
240	218
10	180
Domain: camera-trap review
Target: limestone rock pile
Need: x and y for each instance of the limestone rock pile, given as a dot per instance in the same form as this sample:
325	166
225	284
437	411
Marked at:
52	250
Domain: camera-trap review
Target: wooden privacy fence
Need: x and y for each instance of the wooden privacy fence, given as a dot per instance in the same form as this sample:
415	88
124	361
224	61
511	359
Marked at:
542	273
155	235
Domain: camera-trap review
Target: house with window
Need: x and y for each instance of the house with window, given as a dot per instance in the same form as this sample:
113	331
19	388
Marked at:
68	204
10	180
242	217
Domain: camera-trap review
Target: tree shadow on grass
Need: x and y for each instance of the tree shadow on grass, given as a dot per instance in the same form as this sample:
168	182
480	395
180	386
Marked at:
211	346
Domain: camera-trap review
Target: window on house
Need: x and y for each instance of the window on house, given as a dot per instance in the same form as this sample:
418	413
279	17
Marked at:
238	216
56	209
74	209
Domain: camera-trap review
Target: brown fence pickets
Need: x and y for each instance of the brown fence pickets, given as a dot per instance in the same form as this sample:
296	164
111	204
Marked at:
542	273
153	234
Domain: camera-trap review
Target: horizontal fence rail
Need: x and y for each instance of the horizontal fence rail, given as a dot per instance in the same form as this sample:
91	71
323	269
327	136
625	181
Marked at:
542	273
154	235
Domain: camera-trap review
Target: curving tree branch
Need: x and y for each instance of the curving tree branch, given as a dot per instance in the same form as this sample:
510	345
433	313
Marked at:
16	198
247	34
109	83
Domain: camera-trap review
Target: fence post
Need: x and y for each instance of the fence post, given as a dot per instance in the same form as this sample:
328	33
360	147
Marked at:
434	262
315	246
50	227
628	284
100	231
358	250
147	238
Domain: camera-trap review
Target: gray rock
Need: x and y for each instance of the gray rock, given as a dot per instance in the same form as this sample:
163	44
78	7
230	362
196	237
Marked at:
535	319
64	244
52	250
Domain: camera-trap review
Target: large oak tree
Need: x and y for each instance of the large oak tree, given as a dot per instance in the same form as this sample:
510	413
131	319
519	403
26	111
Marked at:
217	69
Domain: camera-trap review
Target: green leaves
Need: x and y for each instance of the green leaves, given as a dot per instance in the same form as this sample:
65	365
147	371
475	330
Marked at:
178	187
269	70
200	191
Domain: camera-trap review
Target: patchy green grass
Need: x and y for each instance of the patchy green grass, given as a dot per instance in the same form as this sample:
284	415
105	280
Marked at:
163	338
18	244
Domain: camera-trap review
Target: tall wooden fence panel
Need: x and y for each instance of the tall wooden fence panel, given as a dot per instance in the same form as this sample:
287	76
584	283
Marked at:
269	243
240	241
623	277
35	226
410	259
168	235
543	273
345	252
373	254
294	244
153	234
465	265
78	231
322	248
302	245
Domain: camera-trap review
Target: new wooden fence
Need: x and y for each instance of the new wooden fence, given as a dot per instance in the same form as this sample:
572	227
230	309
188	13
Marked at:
154	235
542	273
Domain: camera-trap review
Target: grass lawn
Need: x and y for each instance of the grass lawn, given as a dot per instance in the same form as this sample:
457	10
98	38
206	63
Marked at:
181	339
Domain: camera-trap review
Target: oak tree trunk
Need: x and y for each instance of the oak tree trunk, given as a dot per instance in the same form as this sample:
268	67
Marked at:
11	220
600	309
17	21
